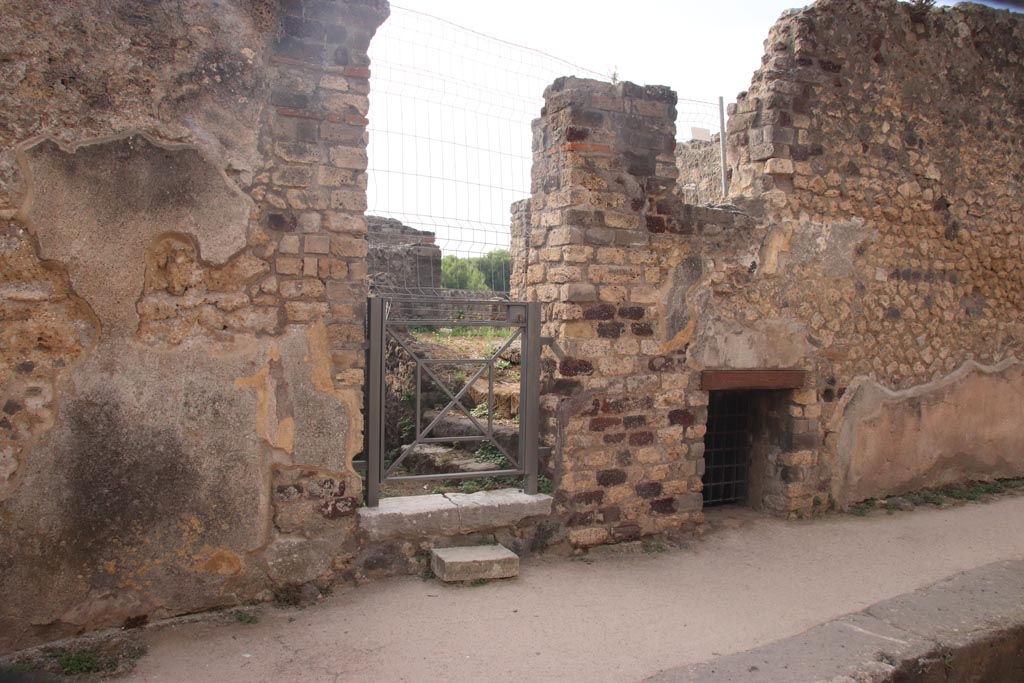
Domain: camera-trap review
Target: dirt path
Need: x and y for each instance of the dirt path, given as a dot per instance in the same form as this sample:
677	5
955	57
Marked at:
616	618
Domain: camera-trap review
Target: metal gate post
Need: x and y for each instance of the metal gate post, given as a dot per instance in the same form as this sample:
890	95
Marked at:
530	421
375	404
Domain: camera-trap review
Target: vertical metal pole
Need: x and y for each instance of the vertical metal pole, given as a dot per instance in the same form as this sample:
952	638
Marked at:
419	403
490	394
721	144
375	420
529	437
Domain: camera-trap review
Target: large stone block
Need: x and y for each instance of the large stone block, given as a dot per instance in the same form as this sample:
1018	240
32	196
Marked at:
492	509
474	563
410	516
449	514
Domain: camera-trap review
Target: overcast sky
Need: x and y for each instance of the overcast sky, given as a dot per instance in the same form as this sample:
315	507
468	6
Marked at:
450	109
702	49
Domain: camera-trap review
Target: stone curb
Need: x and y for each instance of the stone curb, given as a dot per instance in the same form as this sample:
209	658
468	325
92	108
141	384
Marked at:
968	627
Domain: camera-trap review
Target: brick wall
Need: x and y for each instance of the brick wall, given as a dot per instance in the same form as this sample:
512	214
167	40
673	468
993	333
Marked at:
315	195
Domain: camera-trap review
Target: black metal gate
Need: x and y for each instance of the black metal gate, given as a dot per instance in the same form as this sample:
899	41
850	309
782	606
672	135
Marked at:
393	321
727	445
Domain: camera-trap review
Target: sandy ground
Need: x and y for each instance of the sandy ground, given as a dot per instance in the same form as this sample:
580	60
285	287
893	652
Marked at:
616	617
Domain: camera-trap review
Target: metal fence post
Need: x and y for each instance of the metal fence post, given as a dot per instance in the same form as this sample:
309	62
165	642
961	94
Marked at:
375	419
531	420
721	144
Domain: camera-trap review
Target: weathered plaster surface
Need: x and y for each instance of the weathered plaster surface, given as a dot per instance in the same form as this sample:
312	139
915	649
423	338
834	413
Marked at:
181	277
153	469
964	426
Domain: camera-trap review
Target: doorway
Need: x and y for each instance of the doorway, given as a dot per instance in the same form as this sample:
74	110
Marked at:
746	430
727	447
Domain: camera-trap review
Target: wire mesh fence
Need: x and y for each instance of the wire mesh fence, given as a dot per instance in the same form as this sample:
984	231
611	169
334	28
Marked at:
450	150
696	120
699	157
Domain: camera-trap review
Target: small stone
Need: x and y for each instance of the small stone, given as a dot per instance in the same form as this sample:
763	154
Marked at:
579	292
611	477
289	265
309	222
289	244
309	266
583	538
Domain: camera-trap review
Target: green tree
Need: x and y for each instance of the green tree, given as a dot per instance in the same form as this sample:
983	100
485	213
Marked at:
460	273
496	267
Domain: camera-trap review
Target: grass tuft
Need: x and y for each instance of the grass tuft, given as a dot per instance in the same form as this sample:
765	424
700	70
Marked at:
245	617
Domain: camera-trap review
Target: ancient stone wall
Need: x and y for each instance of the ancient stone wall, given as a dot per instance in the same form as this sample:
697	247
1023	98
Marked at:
885	143
700	171
629	275
183	271
182	278
872	244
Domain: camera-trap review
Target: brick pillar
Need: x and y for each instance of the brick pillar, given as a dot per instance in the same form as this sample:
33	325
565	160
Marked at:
608	255
313	194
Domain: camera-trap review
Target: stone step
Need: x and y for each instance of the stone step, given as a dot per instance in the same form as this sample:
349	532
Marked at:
506	398
439	515
506	433
474	563
434	458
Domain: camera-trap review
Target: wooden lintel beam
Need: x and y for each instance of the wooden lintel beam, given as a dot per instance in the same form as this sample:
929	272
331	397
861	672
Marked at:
722	380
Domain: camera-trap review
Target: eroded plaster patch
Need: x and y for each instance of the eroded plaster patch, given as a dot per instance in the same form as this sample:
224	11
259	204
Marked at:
320	371
275	421
96	207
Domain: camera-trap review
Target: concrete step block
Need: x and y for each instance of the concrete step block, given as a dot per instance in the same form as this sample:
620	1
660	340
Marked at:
440	515
475	562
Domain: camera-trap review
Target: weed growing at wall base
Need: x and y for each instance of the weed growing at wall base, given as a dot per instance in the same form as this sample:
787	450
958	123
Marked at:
245	617
73	662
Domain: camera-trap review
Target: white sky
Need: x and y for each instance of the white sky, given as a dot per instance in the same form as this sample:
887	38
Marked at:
702	49
450	110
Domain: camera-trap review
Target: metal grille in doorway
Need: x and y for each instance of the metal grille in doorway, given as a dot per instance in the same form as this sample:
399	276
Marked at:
727	447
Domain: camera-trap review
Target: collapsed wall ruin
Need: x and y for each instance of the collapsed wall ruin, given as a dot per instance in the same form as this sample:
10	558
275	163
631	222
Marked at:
185	266
401	257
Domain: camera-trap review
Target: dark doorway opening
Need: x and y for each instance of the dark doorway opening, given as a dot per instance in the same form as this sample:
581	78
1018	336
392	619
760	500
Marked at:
727	446
746	431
